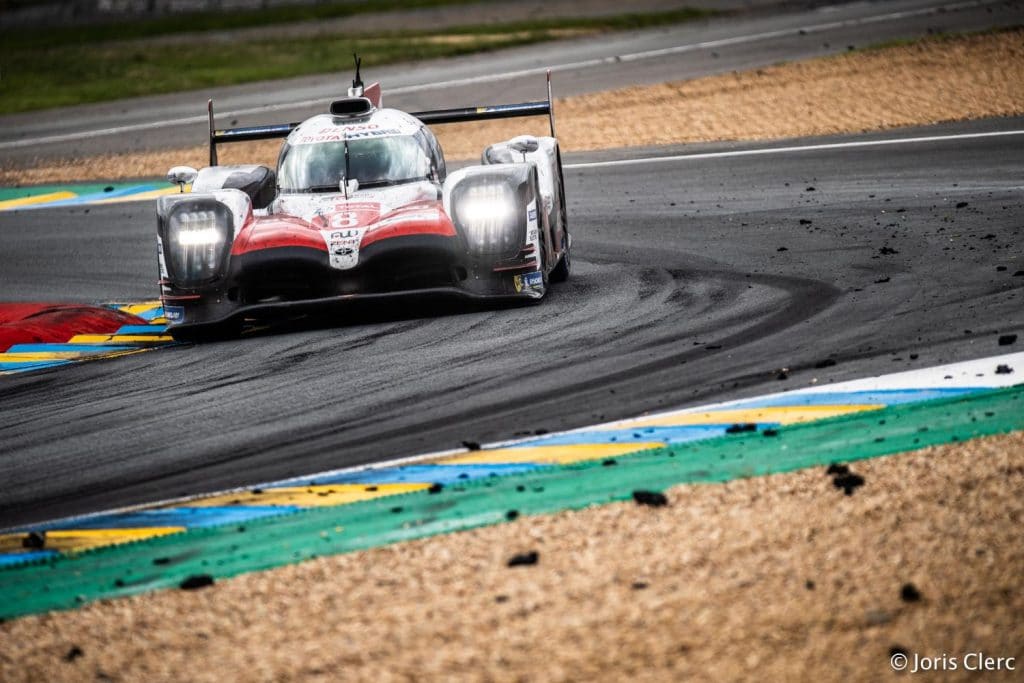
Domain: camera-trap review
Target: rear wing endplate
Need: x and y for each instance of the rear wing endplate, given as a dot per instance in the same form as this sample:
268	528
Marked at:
247	134
282	130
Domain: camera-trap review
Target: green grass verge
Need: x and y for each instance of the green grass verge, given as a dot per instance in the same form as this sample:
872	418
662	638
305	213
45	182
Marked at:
201	22
38	75
165	562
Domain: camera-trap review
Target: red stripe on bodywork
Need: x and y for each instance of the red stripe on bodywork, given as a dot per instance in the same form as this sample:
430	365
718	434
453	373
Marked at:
48	323
417	218
277	232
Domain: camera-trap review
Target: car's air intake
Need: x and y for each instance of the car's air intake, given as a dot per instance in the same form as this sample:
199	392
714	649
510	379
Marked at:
351	106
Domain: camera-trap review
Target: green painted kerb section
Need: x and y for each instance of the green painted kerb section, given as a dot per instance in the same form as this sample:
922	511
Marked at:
166	561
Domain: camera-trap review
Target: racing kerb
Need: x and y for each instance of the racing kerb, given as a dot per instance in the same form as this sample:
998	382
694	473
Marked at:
50	196
65	563
146	331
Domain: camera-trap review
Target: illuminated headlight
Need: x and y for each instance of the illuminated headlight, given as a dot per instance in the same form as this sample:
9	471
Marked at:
489	216
196	243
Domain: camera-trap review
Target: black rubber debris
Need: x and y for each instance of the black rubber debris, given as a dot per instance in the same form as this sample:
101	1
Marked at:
257	491
827	363
1003	370
837	468
848	482
782	249
652	498
471	445
524	559
961	205
770	432
196	581
810	189
1007	339
610	462
511	514
882	281
1019	273
161	560
809	585
396	510
1000	269
782	374
897	650
740	428
639	585
805	221
887	251
435	488
108	188
500	598
909	593
35	540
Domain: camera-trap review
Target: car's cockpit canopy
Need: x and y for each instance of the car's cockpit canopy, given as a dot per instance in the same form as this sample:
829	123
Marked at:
389	148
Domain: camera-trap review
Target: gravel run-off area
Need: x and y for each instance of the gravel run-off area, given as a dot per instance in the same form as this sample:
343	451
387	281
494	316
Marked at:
784	577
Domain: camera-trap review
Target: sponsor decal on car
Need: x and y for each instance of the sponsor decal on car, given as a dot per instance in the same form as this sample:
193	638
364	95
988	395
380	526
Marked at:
338	136
528	281
174	314
532	215
343	246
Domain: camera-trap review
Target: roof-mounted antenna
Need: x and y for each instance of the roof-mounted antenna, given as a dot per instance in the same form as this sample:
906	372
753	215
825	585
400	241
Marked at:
357	83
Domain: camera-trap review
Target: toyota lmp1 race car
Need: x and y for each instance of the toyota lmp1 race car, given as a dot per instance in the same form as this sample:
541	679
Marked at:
360	208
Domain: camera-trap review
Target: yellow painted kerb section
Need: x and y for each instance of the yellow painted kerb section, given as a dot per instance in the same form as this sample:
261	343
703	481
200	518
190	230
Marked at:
308	496
38	199
779	414
84	539
562	453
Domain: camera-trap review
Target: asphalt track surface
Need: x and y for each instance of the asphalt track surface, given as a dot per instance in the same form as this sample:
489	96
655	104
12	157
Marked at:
787	32
695	281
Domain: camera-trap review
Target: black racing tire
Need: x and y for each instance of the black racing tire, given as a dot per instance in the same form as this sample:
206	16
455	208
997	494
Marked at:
562	269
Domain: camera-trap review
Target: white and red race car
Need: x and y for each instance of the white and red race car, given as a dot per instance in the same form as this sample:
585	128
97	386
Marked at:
361	206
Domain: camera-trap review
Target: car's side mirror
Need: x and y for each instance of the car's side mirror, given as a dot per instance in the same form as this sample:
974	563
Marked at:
181	176
524	144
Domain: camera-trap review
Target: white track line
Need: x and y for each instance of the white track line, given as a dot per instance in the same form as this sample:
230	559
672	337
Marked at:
797	148
587	63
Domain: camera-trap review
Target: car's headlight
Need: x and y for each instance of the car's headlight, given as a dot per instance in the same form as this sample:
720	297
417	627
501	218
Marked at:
490	216
196	242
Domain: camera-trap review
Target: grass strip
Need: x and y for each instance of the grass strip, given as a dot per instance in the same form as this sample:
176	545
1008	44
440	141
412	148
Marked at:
213	553
38	75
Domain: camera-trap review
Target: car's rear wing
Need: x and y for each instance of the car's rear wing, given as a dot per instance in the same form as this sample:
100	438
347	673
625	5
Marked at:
460	115
497	111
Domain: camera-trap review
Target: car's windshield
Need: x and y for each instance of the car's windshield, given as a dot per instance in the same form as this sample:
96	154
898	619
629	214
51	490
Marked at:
371	161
